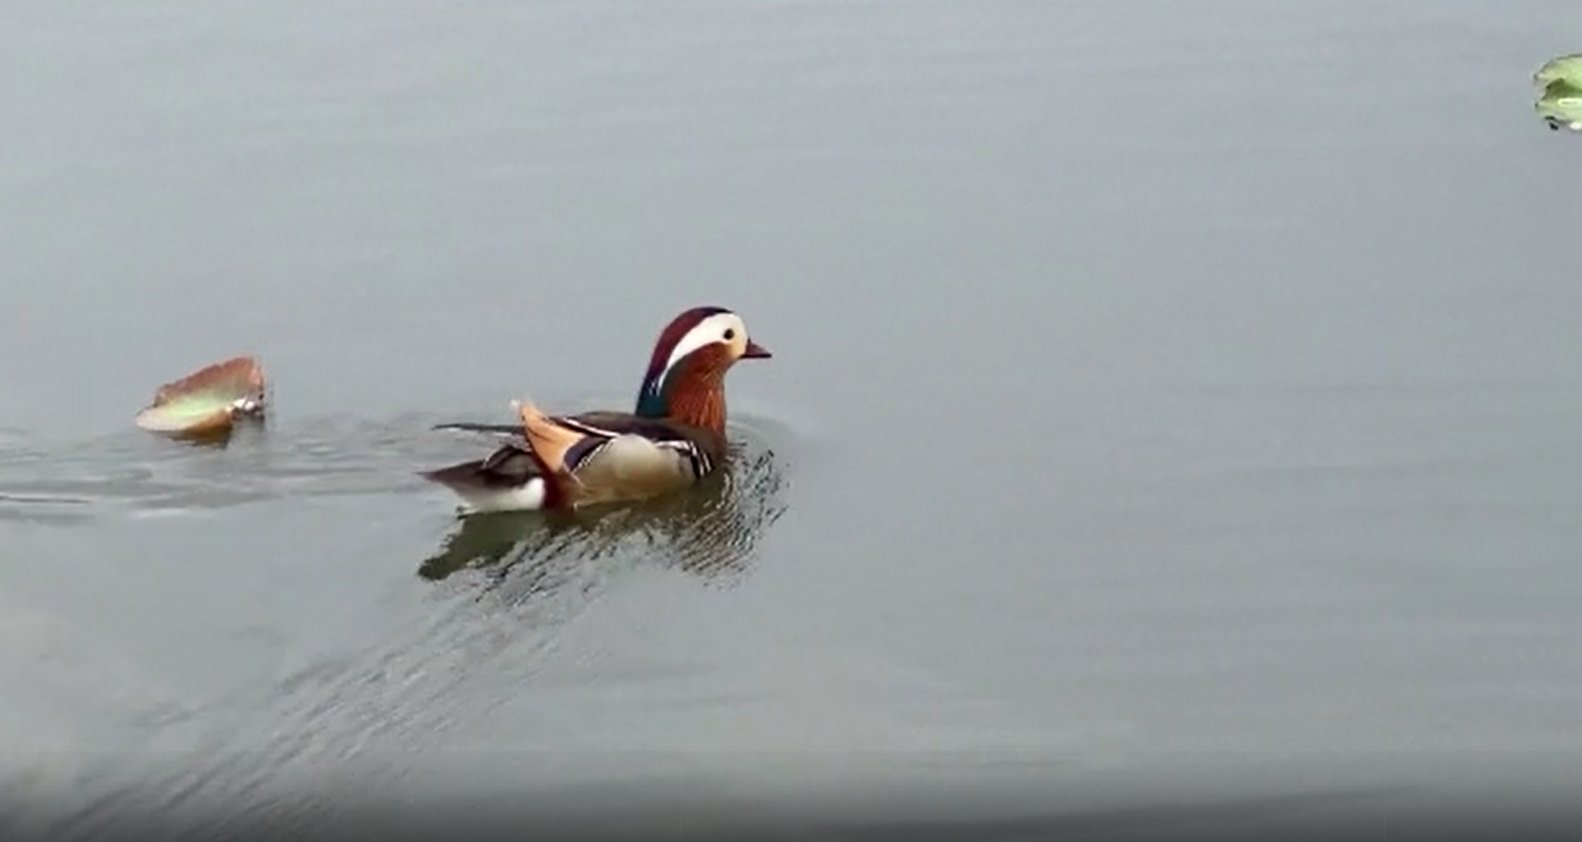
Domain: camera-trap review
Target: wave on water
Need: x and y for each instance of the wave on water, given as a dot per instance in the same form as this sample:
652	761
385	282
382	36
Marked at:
490	597
131	473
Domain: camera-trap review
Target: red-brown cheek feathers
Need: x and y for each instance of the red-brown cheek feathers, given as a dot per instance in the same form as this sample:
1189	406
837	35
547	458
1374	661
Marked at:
674	333
695	392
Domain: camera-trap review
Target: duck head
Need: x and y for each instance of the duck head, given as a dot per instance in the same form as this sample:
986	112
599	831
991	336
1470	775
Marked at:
686	374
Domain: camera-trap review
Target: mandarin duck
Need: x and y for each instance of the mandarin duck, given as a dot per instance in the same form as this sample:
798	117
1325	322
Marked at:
673	438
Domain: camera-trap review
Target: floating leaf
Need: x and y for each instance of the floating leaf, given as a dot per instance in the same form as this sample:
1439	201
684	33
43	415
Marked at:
207	401
1561	105
1567	69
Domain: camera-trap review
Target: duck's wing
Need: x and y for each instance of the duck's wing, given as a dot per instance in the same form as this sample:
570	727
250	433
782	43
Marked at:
597	422
510	432
701	448
602	454
606	455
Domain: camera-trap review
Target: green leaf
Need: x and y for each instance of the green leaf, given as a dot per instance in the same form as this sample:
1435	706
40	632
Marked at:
1567	69
207	400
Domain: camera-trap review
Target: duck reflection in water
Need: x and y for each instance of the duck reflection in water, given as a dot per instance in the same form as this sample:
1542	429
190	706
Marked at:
711	531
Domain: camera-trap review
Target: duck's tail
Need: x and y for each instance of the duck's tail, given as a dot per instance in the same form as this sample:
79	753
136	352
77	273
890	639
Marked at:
548	440
509	479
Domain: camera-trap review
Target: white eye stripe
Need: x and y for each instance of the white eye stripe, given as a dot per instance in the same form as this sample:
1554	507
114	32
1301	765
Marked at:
710	330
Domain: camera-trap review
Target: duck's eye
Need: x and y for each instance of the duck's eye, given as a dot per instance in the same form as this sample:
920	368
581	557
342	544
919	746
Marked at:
730	333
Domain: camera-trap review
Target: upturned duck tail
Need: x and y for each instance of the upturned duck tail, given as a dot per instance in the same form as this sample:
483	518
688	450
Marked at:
549	442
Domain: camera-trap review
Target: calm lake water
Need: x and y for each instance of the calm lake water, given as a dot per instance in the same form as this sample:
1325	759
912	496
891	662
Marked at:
1173	404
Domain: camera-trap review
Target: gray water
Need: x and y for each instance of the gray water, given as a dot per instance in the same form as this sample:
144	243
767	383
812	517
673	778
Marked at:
1172	404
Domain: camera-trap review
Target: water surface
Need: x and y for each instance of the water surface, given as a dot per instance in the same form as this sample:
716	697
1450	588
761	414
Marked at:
1172	402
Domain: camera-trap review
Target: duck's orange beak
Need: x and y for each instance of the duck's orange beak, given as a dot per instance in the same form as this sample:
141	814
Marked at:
756	352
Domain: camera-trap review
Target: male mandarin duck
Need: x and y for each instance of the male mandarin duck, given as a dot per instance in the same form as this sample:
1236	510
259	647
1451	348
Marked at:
675	437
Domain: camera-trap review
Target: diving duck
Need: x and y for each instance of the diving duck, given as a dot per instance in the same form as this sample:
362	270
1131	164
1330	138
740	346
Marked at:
674	437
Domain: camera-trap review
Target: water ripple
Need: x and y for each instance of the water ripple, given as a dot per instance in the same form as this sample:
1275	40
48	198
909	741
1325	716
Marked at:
496	592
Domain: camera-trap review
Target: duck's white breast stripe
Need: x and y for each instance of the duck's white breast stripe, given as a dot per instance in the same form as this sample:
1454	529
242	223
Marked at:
701	464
